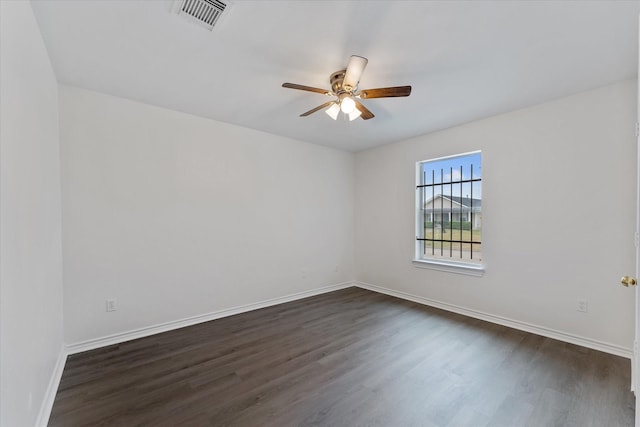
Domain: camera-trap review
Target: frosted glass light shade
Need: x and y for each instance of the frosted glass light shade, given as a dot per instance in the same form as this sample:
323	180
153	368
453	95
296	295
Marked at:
347	105
333	111
354	114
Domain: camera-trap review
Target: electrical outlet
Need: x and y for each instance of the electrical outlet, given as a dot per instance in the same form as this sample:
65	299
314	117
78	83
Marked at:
111	305
583	305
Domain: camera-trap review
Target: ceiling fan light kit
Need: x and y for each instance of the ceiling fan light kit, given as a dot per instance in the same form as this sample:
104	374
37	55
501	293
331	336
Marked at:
344	87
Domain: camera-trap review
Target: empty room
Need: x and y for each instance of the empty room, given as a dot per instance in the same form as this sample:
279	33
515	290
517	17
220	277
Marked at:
328	213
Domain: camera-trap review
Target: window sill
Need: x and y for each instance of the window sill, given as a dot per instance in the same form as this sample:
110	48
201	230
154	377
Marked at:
451	267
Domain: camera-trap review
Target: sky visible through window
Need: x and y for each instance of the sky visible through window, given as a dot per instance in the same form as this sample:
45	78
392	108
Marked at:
439	171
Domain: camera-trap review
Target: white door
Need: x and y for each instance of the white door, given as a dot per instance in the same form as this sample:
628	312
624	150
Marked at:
635	365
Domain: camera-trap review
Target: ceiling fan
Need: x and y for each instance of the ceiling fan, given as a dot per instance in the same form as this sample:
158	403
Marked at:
344	87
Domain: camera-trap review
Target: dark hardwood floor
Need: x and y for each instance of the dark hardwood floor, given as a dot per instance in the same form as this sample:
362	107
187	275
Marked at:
346	358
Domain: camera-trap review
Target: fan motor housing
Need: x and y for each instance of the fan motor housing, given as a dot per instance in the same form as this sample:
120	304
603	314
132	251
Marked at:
336	80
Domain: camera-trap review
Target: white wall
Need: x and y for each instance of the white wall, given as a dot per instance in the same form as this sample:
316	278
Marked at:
31	331
177	216
558	215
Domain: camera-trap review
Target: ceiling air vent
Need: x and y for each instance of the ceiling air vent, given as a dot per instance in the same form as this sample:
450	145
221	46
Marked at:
207	12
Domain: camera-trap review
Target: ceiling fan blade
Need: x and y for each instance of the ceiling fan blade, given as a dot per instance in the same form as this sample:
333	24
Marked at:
318	108
385	92
354	72
366	114
307	88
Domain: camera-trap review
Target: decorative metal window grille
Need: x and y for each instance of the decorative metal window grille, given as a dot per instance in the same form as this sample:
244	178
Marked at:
449	208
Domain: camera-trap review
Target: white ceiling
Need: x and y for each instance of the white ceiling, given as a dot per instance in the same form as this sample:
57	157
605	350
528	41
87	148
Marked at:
465	59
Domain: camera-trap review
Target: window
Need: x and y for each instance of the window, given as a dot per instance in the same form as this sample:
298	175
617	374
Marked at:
449	211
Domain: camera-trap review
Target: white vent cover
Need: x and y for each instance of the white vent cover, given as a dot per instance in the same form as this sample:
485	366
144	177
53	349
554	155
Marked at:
207	12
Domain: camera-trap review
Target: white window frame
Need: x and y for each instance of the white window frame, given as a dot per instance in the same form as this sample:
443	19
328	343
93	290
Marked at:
452	266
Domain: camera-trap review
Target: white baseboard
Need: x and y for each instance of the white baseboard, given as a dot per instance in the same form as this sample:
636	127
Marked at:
47	404
515	324
176	324
52	389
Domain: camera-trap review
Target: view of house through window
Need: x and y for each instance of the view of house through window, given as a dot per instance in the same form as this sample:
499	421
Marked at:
449	209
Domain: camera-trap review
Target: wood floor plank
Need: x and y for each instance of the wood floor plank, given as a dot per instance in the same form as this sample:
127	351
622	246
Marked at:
346	358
